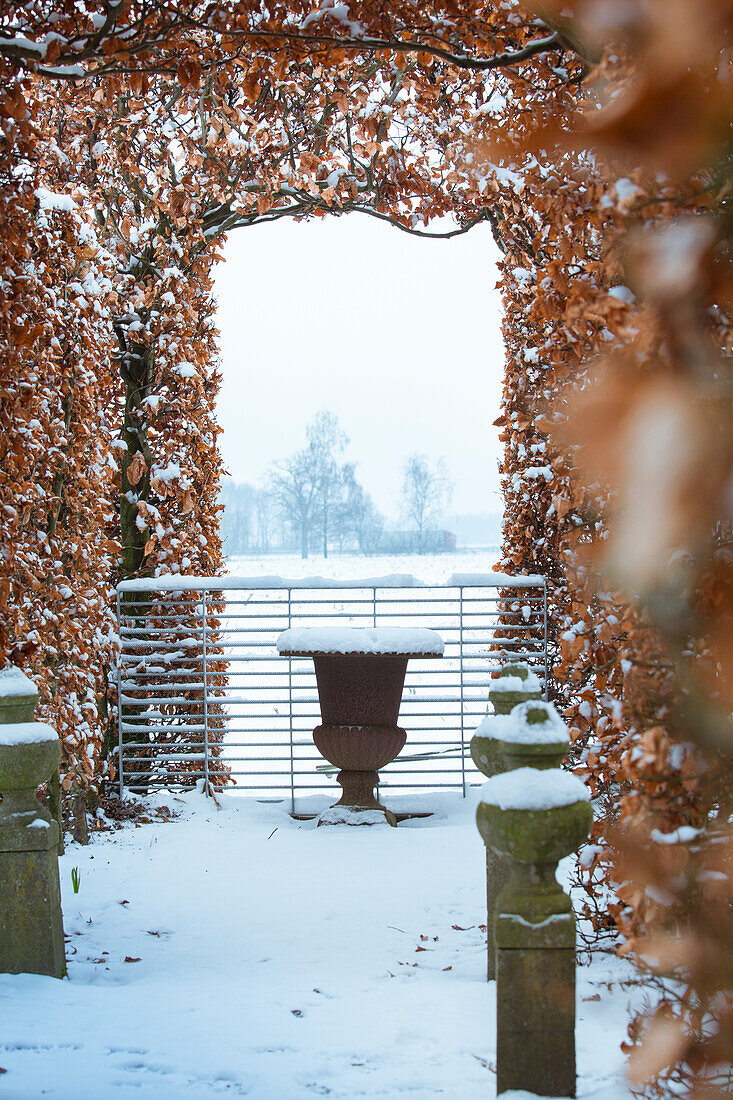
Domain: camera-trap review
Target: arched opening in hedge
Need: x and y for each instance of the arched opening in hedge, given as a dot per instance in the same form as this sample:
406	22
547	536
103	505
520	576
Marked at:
397	337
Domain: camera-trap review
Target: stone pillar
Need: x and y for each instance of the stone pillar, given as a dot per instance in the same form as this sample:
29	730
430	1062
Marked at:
31	929
534	816
515	684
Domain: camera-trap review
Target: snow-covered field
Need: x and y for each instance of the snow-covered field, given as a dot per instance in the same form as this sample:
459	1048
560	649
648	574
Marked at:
430	568
237	951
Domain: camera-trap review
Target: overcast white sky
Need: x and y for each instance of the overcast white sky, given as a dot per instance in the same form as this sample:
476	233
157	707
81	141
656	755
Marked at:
399	336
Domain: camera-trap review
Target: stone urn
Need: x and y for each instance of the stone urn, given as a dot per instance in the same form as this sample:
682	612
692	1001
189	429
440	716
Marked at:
360	675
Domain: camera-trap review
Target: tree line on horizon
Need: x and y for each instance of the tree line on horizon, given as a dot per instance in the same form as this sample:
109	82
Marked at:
313	499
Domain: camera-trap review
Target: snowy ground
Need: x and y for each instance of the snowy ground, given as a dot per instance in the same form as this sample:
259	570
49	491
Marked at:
237	951
430	568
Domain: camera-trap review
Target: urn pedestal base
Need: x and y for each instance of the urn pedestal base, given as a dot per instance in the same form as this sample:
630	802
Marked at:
359	752
354	815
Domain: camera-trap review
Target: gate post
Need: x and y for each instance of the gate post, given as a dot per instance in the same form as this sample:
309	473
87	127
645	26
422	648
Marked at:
533	817
515	684
31	929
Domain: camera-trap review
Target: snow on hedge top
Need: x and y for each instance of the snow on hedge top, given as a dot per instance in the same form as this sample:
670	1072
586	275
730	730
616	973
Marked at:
533	789
26	733
532	723
349	639
13	682
177	582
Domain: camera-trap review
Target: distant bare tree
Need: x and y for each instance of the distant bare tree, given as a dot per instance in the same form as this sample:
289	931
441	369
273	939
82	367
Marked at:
306	486
326	443
264	517
237	519
293	484
357	517
426	493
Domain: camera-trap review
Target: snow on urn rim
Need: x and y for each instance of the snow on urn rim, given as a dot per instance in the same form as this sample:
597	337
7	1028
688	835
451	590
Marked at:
395	641
534	789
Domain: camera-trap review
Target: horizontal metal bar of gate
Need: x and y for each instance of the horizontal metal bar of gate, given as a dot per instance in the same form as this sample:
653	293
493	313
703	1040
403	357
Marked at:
203	694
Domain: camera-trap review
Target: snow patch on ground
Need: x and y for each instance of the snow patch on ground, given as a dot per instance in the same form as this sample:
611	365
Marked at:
426	569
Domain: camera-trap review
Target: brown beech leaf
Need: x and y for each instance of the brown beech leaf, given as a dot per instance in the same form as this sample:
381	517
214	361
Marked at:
663	1045
650	437
137	469
189	73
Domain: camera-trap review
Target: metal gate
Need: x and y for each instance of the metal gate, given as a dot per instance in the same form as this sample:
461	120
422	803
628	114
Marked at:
203	694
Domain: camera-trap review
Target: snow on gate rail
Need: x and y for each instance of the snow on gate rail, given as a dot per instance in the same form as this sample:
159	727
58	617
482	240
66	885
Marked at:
203	693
